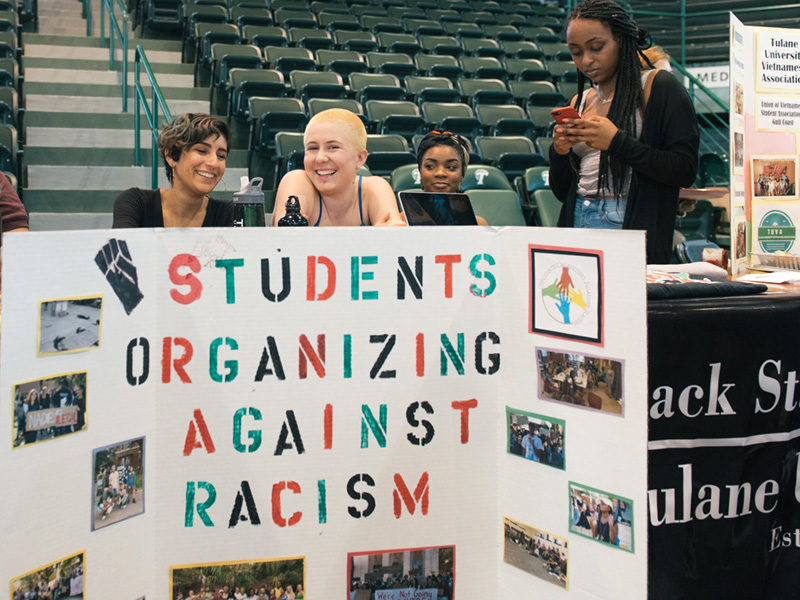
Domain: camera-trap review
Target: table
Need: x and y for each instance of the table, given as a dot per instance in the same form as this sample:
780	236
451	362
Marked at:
724	441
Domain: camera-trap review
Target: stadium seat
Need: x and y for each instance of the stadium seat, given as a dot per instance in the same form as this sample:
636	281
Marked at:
418	27
405	177
500	208
397	117
455	117
441	44
399	65
357	41
263	36
463	30
287	17
503	33
311	38
439	66
382	23
558	68
243	84
505	120
517	66
522	49
431	89
207	34
289	153
482	47
484	91
541	116
511	154
542	145
398	43
522	90
317	84
485	177
317	105
271	115
343	62
242	16
225	57
547	207
287	60
483	67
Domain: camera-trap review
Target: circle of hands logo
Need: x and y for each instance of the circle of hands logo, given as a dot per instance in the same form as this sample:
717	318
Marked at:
565	301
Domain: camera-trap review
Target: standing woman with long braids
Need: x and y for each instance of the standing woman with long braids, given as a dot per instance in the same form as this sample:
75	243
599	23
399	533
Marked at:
622	163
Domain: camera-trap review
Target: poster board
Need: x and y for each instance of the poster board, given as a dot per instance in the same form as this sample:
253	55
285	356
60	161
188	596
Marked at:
320	409
764	125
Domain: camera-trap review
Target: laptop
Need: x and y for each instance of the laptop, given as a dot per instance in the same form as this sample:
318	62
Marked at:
424	208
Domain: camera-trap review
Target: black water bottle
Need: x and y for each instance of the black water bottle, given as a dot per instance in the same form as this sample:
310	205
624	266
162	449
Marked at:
292	218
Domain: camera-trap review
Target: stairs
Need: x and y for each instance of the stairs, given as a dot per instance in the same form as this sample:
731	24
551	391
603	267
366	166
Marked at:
78	152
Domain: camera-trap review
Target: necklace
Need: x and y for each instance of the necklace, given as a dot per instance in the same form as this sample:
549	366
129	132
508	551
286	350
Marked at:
603	100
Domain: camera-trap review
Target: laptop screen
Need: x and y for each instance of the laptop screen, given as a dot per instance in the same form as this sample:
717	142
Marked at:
423	208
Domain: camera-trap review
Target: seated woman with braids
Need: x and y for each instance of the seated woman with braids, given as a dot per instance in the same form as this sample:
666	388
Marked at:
194	148
623	162
442	158
329	188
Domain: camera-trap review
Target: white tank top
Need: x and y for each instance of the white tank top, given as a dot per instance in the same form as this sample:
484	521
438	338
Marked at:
590	157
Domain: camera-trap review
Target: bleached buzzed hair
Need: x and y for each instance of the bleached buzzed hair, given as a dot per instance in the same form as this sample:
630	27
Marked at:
352	124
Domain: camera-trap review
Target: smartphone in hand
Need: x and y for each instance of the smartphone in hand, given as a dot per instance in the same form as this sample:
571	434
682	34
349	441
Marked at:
566	112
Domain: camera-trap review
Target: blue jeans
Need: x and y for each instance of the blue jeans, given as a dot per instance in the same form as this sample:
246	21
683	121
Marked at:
599	213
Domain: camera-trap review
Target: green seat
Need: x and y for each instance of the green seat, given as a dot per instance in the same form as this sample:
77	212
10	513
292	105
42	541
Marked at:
263	35
242	16
485	91
311	38
485	177
358	41
452	116
243	84
535	178
505	120
548	207
271	115
516	66
317	105
712	170
401	117
406	178
439	65
511	154
287	60
500	208
523	90
317	84
289	153
400	65
483	67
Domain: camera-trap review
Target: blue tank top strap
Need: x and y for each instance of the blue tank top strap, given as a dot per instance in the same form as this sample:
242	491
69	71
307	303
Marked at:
320	210
360	213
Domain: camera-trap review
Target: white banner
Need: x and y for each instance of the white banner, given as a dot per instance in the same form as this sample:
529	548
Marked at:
319	409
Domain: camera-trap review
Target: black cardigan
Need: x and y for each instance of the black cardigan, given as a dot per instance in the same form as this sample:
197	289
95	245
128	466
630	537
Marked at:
663	160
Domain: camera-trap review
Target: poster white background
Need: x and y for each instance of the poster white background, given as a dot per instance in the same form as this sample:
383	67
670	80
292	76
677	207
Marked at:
48	502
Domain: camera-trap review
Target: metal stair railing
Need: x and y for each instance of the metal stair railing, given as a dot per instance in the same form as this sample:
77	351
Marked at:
151	114
710	115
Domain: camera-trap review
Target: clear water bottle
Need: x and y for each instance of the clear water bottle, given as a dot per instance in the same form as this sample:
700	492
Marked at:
292	218
248	204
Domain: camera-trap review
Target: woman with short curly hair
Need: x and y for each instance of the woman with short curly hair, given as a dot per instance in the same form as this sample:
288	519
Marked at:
194	148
